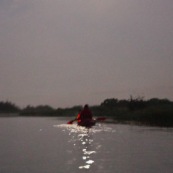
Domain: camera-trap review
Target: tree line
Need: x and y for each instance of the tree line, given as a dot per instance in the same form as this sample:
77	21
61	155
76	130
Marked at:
135	109
8	107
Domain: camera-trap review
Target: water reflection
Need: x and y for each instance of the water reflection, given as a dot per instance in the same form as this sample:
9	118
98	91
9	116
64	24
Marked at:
85	140
84	146
82	139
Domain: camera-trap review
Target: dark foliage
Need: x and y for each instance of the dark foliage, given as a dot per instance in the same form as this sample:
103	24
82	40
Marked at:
38	110
152	112
8	107
49	111
136	103
68	111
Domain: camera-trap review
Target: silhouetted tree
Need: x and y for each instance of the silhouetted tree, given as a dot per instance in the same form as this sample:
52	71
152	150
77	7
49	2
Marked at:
8	107
110	102
136	103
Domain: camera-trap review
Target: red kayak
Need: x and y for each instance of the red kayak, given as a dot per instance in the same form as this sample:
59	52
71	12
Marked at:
87	123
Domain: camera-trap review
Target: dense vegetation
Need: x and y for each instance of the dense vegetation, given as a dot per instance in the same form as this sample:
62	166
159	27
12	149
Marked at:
157	112
8	107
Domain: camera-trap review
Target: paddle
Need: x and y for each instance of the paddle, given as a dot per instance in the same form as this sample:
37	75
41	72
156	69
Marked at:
97	119
71	122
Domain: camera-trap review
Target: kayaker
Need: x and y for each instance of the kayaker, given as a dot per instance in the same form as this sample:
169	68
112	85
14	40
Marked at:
85	115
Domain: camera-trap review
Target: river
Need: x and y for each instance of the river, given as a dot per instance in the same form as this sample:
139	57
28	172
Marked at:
49	145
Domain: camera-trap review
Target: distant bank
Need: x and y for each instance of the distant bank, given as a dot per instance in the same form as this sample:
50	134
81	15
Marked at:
155	112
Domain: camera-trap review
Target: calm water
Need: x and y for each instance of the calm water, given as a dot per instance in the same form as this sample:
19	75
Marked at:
49	145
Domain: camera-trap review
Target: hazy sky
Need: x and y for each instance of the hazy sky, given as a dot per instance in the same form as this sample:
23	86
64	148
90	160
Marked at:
72	52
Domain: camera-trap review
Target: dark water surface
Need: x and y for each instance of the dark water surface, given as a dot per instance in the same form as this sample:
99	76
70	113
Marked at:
49	145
